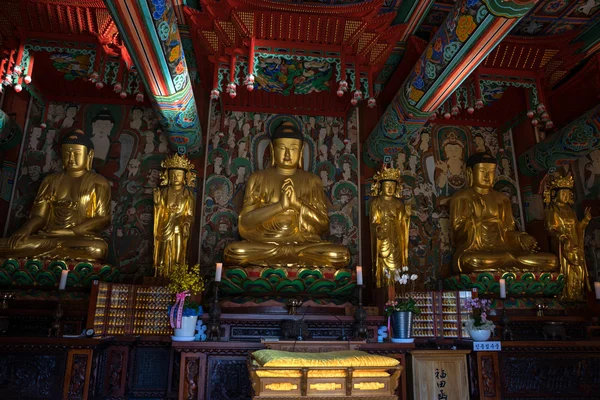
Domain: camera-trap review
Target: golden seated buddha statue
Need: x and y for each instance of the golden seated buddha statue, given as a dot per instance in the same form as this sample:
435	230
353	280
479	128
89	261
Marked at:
483	227
69	211
284	212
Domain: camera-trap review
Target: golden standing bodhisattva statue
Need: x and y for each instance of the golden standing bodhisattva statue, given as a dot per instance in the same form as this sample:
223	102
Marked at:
483	227
70	210
284	212
568	236
174	205
390	220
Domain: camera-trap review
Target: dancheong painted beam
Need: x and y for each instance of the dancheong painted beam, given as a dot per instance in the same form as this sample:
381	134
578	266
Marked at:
150	32
470	32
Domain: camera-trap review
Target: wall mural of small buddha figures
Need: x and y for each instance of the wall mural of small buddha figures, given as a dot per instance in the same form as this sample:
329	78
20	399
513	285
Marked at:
239	146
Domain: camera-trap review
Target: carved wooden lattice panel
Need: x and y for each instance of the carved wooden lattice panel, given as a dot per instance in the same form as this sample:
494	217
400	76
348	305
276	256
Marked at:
228	379
151	369
550	375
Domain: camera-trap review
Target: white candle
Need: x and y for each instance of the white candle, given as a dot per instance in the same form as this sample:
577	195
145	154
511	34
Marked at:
63	279
359	276
502	288
219	272
597	288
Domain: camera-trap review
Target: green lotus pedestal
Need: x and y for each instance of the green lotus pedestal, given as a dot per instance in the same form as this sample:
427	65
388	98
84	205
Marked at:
522	289
257	284
45	274
517	284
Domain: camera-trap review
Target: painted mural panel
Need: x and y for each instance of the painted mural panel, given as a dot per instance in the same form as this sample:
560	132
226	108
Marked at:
290	75
128	152
238	144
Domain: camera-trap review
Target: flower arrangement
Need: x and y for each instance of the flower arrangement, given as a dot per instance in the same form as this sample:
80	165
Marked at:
185	281
479	310
183	278
400	304
404	302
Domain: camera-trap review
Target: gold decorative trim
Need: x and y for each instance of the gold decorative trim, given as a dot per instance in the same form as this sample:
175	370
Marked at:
325	386
369	385
282	387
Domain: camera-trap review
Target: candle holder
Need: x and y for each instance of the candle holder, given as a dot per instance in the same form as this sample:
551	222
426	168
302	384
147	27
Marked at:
214	316
505	323
56	326
540	308
5	297
360	317
292	305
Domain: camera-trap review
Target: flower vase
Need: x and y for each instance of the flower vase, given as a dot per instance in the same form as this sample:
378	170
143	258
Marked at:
188	329
401	326
479	335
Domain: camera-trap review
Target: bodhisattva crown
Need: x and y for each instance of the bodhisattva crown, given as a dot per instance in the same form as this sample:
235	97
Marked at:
386	174
177	162
560	182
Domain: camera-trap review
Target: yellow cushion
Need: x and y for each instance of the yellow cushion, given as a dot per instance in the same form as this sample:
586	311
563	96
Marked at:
345	358
319	373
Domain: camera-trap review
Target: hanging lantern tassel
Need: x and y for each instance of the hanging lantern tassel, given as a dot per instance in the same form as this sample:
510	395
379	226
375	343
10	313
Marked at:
541	108
249	81
371	102
124	82
17	69
215	93
139	97
477	86
454	109
447	115
29	72
231	90
118	87
470	108
232	86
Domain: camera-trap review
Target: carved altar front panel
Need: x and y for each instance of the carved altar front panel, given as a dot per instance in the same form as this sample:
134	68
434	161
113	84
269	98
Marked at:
150	371
228	378
549	374
489	378
115	374
77	374
31	376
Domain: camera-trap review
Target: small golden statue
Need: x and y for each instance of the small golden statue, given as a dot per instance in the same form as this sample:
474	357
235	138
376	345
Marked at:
483	227
174	206
284	212
70	210
390	220
567	236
